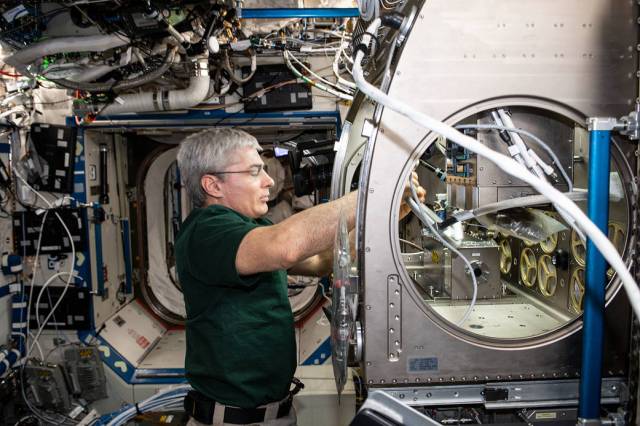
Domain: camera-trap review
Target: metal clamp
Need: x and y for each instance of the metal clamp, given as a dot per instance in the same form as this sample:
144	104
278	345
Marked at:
631	124
603	124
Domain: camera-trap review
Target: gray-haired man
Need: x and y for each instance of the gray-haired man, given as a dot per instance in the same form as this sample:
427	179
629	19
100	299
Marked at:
241	350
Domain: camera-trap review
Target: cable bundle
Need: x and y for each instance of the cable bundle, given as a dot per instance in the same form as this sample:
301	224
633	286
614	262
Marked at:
170	398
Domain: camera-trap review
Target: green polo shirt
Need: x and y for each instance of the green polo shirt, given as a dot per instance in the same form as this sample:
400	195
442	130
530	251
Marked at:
241	348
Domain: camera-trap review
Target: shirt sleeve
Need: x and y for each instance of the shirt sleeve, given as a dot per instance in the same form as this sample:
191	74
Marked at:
213	249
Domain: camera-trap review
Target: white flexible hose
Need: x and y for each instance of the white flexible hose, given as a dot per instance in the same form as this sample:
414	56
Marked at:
96	43
509	166
163	101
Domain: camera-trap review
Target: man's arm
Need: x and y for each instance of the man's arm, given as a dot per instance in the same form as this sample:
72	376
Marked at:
295	239
318	265
321	264
304	241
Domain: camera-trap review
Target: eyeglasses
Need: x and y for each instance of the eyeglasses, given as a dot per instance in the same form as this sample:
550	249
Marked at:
253	171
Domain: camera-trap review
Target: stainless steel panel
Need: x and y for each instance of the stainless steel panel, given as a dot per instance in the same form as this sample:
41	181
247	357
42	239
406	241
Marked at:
463	57
484	252
548	129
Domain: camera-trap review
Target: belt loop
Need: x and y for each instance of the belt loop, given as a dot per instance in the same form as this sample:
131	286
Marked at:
218	415
271	411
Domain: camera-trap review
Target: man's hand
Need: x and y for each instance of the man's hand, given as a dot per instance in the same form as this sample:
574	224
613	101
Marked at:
422	194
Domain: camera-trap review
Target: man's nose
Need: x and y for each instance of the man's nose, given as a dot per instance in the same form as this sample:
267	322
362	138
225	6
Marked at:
267	181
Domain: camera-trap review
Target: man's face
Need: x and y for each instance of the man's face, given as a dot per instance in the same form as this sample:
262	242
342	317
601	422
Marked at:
243	192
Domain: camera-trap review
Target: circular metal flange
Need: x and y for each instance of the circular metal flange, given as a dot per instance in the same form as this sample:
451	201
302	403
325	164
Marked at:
578	248
547	276
373	199
528	267
617	236
576	290
506	256
549	245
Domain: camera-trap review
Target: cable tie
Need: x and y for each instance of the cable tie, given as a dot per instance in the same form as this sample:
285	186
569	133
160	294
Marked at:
365	47
374	39
138	412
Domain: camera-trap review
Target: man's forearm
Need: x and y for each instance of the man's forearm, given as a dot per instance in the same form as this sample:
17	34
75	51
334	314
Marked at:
313	231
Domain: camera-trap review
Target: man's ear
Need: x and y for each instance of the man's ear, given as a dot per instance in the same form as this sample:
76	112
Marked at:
211	186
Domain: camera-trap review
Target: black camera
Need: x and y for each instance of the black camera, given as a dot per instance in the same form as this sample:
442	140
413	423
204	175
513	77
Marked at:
311	165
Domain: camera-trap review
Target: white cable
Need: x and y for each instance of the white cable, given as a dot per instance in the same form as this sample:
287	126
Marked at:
544	166
320	86
73	261
519	143
529	200
509	166
37	346
531	162
169	398
416	206
322	79
41	292
335	65
513	150
33	278
534	138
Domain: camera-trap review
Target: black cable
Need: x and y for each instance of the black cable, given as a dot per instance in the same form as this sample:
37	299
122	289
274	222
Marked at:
441	174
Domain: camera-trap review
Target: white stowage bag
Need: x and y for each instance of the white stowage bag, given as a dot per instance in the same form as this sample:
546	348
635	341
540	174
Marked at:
160	278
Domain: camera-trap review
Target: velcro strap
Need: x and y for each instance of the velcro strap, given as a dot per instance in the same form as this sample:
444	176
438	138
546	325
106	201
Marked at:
202	408
242	416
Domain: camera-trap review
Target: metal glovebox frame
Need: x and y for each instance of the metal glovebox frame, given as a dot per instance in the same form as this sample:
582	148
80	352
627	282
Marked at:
462	57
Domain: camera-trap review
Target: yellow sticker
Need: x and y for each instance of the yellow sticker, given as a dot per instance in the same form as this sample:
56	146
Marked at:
435	257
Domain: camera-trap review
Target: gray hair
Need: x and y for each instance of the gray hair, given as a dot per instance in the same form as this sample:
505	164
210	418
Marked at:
207	151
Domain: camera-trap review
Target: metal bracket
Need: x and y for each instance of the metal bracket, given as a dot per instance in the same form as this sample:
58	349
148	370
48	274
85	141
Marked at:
394	318
603	124
628	125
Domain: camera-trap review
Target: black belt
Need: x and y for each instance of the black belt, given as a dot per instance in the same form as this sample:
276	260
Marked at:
201	408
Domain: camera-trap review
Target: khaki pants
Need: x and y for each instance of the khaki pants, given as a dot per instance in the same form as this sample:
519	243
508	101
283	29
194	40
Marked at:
218	417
